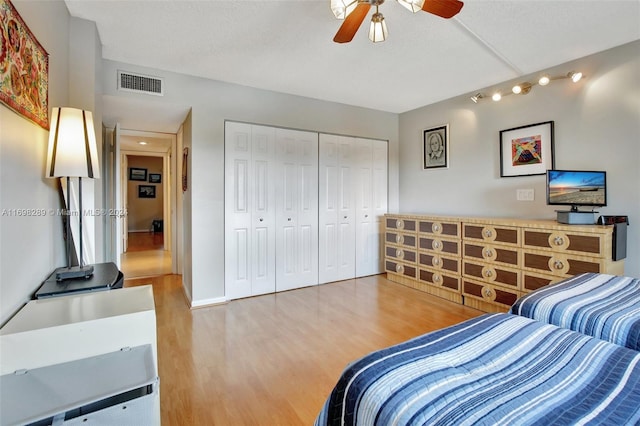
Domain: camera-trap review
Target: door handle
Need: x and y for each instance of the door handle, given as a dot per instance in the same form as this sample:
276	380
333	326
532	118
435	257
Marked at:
288	219
261	219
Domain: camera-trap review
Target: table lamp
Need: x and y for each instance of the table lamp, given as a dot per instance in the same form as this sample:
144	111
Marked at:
72	153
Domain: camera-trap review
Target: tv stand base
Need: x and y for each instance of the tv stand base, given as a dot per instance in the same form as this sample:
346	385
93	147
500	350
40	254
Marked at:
570	217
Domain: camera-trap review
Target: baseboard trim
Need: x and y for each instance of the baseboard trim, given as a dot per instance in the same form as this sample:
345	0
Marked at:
208	302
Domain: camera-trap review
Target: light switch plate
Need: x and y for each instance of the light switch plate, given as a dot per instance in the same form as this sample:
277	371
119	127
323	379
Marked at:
525	194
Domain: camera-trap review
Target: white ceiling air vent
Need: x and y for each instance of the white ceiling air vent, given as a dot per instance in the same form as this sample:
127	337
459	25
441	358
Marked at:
140	83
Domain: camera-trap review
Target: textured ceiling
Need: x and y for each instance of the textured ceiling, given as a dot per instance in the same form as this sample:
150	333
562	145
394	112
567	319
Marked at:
287	46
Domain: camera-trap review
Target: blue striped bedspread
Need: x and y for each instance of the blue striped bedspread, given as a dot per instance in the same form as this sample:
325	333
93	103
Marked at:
496	369
599	305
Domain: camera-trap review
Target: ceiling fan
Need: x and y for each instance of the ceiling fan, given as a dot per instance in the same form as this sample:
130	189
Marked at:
354	11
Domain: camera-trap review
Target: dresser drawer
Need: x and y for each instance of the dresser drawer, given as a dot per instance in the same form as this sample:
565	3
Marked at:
439	227
439	245
492	253
489	293
561	264
533	280
439	279
563	241
400	223
492	234
400	268
492	273
400	239
400	253
439	262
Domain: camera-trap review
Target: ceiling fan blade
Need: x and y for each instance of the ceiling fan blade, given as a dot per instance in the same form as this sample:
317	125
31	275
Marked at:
352	23
443	8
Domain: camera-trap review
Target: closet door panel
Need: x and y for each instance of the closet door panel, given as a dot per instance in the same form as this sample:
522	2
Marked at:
297	209
380	197
328	208
365	249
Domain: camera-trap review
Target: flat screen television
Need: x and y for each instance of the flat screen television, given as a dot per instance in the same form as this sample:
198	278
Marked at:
576	188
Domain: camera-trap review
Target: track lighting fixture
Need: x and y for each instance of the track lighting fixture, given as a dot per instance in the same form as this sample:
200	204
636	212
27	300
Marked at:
525	87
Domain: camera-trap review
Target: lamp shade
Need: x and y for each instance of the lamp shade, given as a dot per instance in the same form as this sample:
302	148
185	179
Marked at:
378	28
73	151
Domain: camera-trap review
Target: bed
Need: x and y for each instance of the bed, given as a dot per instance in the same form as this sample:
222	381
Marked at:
493	369
599	305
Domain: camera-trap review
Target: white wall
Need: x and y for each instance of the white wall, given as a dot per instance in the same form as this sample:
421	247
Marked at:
213	102
597	127
31	247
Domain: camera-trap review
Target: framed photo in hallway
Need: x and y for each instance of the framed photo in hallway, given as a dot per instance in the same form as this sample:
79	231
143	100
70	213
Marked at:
136	173
155	178
146	191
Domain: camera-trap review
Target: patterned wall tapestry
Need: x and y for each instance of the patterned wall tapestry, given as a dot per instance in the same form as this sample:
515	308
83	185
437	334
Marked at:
24	68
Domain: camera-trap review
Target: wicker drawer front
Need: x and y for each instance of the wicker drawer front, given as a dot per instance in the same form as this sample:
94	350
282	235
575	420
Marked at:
439	262
560	264
399	223
492	273
399	253
508	235
400	268
400	239
504	255
489	293
561	241
440	279
533	280
439	245
439	227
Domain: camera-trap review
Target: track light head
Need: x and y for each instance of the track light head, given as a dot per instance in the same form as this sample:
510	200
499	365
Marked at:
575	76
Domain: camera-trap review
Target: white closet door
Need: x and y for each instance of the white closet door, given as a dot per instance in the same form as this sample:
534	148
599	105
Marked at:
296	209
249	211
380	197
366	254
336	209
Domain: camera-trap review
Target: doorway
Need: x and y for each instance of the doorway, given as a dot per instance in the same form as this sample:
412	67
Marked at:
147	191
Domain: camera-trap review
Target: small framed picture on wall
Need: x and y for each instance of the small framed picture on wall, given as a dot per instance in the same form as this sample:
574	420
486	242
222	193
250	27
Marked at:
155	178
526	150
435	147
146	191
136	173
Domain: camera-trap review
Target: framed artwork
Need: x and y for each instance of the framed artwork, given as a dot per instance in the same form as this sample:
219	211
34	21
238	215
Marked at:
146	191
526	150
24	68
136	173
155	178
435	147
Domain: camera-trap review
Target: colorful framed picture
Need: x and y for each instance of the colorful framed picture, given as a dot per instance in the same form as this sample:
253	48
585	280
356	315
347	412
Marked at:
24	68
146	191
136	173
526	150
435	147
155	178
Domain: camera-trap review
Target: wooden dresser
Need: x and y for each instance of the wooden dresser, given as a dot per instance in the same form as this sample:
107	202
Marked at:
487	263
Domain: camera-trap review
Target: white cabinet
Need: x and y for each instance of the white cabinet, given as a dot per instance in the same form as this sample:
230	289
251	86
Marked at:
352	202
271	209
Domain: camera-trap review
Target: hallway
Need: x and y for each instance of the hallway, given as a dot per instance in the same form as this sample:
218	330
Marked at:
145	256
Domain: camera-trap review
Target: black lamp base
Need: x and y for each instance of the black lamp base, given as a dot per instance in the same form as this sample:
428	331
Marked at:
71	272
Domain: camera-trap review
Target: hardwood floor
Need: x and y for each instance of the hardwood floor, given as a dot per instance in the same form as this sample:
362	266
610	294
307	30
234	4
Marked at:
145	256
273	359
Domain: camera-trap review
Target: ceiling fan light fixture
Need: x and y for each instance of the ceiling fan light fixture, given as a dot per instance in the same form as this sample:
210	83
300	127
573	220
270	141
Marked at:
412	5
378	28
342	8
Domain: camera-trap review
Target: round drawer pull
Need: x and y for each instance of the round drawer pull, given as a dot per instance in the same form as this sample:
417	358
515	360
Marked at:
435	261
488	254
487	293
399	269
436	245
488	273
558	264
399	224
399	239
436	228
437	278
488	233
559	241
399	253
